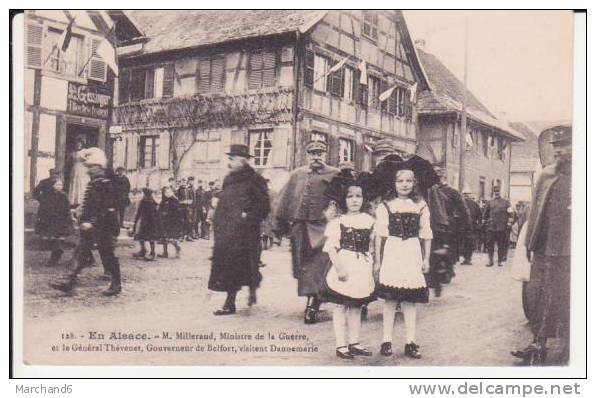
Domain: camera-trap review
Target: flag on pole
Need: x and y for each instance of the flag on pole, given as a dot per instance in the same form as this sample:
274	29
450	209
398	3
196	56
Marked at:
363	75
108	54
65	37
413	91
387	93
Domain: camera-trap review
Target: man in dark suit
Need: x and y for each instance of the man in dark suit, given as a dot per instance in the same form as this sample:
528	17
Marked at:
185	196
498	217
123	188
469	239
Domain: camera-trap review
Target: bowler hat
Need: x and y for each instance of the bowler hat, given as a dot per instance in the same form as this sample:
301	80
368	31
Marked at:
239	150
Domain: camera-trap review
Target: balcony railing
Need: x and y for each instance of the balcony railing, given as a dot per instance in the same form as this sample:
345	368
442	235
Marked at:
207	110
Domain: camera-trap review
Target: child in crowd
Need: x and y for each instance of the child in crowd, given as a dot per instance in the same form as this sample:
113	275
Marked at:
147	225
349	281
402	224
169	214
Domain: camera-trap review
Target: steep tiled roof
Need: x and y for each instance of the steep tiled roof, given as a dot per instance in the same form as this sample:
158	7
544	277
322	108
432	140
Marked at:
447	93
170	30
527	149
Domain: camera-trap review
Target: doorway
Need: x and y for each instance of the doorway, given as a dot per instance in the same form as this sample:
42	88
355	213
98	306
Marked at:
87	136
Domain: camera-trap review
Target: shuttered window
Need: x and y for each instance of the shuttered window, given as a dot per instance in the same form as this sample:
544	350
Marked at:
148	147
336	83
149	83
33	50
309	69
401	97
346	150
137	84
392	102
348	91
321	67
263	65
210	75
97	69
168	81
124	86
374	86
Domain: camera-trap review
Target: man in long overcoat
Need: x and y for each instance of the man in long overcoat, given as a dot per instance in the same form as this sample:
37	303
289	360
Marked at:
243	204
469	237
498	217
301	211
548	237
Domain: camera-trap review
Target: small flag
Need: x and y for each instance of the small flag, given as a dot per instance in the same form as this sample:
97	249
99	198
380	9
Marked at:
387	93
413	91
65	37
363	75
333	69
108	54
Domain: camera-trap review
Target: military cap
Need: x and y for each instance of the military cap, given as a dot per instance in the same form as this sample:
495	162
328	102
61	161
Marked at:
561	136
316	146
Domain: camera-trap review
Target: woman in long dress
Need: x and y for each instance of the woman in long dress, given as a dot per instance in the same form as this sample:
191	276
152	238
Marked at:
78	175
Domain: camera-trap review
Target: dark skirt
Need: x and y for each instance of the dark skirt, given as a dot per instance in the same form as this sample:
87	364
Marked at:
417	295
548	295
332	296
148	230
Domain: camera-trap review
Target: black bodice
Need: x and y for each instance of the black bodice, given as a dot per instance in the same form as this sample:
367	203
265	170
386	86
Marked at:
355	239
403	225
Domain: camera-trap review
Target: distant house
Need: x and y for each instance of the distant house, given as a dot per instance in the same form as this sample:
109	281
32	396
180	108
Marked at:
68	86
206	79
525	165
487	140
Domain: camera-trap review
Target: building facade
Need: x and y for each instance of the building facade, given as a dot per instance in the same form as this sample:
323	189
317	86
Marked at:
488	140
68	92
525	165
206	79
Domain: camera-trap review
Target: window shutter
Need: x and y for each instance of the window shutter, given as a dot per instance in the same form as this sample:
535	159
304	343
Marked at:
204	72
118	149
309	69
149	83
124	86
333	154
280	148
97	67
256	70
137	84
269	68
168	81
217	74
33	50
384	87
164	150
392	102
132	150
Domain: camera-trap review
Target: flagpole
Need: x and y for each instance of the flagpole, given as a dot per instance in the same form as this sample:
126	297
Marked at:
464	116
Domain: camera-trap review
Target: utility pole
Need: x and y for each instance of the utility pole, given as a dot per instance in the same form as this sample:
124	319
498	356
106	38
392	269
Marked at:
464	119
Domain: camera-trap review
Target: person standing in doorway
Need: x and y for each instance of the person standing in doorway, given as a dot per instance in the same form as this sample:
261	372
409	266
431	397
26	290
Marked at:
79	178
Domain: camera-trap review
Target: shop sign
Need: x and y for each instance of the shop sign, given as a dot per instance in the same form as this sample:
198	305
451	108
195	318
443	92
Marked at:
89	101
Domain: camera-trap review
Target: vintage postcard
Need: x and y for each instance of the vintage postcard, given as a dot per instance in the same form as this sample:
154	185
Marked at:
314	188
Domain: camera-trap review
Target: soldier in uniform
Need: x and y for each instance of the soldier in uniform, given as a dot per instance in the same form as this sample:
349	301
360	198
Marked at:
548	238
99	224
498	217
301	211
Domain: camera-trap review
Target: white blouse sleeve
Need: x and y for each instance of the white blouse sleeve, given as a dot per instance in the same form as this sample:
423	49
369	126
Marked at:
381	227
425	231
332	236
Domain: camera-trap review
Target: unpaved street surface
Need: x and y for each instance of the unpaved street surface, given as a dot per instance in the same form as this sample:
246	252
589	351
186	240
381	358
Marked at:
476	322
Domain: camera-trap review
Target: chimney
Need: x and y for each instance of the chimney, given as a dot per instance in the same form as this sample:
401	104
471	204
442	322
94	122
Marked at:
420	44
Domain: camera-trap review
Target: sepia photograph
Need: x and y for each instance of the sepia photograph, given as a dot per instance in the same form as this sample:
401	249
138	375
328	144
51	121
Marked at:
314	188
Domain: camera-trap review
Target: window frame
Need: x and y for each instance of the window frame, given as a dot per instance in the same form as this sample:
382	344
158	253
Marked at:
320	84
262	70
211	84
352	147
263	136
142	160
372	24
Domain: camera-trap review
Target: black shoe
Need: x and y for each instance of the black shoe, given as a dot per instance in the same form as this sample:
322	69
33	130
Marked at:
113	290
252	297
438	291
490	264
500	264
386	349
310	315
411	350
189	239
140	254
225	311
344	353
163	255
357	349
467	262
150	257
532	354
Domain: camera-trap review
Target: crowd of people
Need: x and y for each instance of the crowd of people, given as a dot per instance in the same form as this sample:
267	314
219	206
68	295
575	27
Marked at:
391	234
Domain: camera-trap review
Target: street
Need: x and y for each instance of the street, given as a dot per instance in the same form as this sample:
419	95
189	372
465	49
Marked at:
165	304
